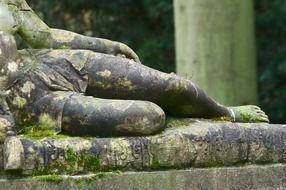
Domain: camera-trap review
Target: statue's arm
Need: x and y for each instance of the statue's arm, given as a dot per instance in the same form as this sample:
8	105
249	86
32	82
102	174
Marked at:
67	39
38	35
33	30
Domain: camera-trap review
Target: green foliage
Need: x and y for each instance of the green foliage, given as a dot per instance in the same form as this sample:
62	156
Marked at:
271	28
147	27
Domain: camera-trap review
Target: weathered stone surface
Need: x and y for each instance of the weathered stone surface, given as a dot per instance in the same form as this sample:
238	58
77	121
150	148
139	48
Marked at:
186	143
271	177
13	154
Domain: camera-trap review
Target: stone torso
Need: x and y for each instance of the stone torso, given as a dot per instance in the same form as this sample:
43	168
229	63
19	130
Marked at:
40	73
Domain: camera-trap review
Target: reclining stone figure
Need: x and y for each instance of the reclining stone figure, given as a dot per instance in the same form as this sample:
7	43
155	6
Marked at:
80	86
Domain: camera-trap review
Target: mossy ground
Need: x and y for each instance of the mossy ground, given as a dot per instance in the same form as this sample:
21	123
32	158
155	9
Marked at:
36	133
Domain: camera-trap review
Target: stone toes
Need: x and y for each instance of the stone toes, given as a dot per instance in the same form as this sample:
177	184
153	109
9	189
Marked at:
263	115
260	112
264	118
257	108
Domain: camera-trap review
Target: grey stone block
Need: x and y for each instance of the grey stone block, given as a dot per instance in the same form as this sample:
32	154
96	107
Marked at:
270	177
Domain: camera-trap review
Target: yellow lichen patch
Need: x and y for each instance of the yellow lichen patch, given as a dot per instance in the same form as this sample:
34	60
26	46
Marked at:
77	145
120	152
126	84
7	21
12	66
105	73
121	105
61	95
19	102
55	53
46	122
166	153
139	125
63	37
100	84
77	58
22	5
28	87
14	154
3	81
4	127
166	76
221	119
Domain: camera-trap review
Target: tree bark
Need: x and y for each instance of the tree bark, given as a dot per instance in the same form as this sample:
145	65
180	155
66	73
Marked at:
215	48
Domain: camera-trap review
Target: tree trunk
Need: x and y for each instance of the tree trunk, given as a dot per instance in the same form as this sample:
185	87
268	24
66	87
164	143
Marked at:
215	48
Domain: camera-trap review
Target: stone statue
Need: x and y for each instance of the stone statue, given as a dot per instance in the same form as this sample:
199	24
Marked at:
83	86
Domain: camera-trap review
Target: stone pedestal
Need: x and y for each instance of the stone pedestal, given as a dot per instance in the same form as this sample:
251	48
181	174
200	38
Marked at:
186	143
221	155
270	177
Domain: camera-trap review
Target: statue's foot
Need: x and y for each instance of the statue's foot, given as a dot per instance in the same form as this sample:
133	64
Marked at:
248	114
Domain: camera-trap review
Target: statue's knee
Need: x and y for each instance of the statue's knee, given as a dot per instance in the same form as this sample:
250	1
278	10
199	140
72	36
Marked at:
145	119
101	117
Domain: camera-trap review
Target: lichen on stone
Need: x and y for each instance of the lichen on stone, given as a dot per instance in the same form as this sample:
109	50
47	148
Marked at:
46	122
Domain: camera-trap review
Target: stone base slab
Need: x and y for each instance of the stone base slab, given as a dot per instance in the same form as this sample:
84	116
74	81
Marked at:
184	144
269	177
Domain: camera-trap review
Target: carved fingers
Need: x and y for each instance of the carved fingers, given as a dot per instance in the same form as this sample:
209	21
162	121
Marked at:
127	52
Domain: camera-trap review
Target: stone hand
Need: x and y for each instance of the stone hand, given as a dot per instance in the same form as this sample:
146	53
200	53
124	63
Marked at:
62	39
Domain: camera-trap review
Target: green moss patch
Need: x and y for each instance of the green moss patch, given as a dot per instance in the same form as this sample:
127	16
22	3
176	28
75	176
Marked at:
37	133
49	178
74	163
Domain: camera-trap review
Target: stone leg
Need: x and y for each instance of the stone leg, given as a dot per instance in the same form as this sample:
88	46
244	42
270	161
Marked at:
81	115
119	78
111	77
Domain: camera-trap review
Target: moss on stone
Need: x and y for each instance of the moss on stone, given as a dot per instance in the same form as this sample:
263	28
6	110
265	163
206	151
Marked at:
19	102
64	47
81	179
46	122
246	116
212	164
93	178
155	165
74	163
36	133
49	178
178	122
22	120
221	119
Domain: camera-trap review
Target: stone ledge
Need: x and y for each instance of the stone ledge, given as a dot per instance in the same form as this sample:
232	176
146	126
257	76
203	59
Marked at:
270	177
186	143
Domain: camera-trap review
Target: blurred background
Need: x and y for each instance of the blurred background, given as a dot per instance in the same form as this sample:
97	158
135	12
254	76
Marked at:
148	27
